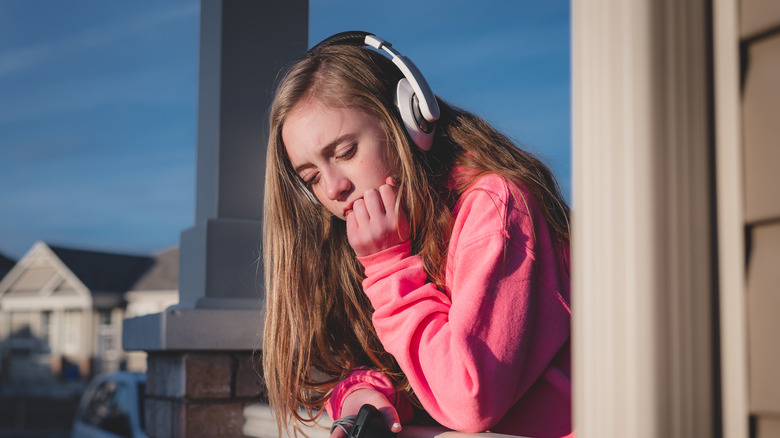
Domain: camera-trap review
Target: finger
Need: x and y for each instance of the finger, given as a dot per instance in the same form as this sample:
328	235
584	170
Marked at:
389	196
361	214
352	225
338	433
374	205
390	415
375	398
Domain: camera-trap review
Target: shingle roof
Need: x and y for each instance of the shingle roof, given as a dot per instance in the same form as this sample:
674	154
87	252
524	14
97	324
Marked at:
164	275
5	265
104	272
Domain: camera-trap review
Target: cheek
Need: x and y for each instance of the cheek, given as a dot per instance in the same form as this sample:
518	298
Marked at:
372	174
391	161
385	169
320	195
381	163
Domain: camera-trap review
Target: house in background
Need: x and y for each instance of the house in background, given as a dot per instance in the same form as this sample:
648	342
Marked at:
157	289
61	310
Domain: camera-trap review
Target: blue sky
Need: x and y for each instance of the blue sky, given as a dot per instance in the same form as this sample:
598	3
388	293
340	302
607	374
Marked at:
98	102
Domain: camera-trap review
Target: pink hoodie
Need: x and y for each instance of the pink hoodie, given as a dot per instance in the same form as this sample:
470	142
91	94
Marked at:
492	352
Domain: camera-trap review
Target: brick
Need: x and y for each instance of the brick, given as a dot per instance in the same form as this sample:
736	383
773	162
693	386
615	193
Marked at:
157	417
209	420
208	375
249	380
178	420
165	375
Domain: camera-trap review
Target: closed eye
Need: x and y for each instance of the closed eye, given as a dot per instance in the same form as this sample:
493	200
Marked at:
310	180
348	153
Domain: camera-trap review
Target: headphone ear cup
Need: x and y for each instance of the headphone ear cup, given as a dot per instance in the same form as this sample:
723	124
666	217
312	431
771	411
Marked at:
420	130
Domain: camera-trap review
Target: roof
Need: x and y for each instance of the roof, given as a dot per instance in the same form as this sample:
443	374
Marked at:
164	275
104	272
5	265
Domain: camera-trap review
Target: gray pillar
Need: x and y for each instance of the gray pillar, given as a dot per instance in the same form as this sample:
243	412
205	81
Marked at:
200	364
243	46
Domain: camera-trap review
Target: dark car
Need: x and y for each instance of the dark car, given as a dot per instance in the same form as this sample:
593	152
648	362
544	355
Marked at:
112	406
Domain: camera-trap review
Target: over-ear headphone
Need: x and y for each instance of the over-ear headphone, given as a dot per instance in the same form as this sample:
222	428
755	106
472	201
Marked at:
413	97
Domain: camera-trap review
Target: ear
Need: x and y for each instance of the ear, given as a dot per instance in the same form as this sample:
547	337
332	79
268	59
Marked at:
420	130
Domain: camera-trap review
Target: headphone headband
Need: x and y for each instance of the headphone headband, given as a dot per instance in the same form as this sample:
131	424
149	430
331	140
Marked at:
349	38
414	97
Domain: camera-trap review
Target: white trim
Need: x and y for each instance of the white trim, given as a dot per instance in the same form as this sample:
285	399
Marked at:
41	251
66	273
731	221
15	272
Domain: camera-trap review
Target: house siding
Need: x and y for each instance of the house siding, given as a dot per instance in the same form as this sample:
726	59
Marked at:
760	42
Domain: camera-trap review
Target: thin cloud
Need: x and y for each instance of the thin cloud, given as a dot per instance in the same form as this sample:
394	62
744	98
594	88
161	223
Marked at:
26	58
151	85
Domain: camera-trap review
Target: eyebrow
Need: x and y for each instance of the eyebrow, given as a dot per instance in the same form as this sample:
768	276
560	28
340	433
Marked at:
327	149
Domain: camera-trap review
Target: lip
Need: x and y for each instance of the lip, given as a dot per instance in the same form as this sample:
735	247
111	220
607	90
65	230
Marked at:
348	207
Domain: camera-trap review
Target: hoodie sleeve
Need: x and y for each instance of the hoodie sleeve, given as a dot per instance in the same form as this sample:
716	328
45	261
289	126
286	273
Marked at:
473	351
362	378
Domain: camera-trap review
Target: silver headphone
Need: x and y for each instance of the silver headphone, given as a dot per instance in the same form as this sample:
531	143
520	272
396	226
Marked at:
413	97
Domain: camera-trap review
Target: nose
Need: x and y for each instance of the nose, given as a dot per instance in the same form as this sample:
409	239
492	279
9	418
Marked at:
337	186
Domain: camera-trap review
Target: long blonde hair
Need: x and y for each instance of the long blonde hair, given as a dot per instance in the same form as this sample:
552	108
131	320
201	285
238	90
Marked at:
317	318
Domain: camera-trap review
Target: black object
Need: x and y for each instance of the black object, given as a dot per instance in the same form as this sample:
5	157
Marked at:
370	424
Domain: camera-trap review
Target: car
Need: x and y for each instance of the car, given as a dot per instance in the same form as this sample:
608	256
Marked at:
112	406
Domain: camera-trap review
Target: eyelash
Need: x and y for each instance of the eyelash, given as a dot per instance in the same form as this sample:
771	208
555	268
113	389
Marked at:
346	155
350	151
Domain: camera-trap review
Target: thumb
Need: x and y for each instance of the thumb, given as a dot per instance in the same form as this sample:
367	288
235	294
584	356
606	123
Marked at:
363	396
391	417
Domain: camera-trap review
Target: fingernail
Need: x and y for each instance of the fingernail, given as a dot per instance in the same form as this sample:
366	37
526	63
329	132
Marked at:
396	427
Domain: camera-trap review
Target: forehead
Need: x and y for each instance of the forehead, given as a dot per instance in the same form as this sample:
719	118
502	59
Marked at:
310	119
312	126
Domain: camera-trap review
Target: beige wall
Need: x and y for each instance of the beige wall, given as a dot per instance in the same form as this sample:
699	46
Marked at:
641	278
760	38
636	73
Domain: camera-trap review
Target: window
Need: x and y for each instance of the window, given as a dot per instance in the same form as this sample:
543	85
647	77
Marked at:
21	325
108	342
104	318
46	327
72	332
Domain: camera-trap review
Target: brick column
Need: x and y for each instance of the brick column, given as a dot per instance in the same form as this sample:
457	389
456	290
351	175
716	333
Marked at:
200	394
201	352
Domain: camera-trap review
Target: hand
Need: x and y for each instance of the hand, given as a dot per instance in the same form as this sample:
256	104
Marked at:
373	224
354	401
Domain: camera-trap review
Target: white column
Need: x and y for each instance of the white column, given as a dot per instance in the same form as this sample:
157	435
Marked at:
731	221
643	247
243	46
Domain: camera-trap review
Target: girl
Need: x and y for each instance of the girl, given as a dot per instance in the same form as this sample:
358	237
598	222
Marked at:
399	276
